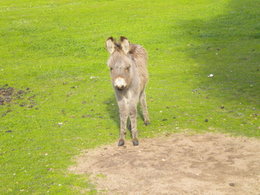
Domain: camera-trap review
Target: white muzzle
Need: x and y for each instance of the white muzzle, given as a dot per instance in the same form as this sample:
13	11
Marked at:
120	83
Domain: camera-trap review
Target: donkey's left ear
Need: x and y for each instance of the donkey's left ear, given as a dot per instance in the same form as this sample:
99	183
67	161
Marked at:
125	44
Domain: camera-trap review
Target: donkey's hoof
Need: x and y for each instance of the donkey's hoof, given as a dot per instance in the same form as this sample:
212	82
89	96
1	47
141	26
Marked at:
147	123
121	142
135	142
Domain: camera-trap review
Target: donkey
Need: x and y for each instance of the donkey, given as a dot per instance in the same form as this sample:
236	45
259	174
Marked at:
127	63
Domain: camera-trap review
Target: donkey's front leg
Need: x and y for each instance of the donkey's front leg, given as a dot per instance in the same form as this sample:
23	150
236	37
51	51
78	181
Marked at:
133	116
123	121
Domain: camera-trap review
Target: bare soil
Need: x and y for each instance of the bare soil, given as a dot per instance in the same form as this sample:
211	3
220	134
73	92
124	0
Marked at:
10	95
175	164
7	94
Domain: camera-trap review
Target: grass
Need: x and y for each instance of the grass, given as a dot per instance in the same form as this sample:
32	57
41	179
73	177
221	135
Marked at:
56	49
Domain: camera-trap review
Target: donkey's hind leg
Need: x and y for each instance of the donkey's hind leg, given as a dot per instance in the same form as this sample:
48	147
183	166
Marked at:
144	108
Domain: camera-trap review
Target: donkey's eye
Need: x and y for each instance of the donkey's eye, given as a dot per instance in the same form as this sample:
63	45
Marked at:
127	68
111	69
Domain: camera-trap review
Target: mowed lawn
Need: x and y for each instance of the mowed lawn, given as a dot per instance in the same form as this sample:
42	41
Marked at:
53	60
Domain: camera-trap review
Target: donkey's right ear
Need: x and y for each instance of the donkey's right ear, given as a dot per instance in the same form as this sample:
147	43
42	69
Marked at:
110	44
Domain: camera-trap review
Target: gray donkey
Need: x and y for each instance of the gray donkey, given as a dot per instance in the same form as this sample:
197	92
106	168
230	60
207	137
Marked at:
127	63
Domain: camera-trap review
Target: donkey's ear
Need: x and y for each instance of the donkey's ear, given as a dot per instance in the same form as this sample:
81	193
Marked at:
110	44
125	44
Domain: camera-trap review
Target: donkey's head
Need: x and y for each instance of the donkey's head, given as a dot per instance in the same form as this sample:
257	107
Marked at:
120	62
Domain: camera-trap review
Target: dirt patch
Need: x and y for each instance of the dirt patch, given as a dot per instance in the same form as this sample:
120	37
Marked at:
6	94
10	95
177	164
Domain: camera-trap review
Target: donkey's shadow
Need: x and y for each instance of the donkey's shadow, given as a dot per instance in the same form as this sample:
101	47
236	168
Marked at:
112	109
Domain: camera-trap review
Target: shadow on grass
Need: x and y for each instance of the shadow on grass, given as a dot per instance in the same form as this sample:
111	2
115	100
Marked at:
227	46
112	109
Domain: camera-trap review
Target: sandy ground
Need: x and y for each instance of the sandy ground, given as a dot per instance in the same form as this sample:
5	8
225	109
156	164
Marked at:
175	164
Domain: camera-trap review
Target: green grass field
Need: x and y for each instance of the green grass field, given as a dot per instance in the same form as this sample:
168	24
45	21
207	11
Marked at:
54	52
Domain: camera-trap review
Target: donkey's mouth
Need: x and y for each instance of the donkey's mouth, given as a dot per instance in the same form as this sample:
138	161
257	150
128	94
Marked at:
120	88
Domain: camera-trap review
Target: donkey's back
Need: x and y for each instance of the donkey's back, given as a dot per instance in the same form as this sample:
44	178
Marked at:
139	55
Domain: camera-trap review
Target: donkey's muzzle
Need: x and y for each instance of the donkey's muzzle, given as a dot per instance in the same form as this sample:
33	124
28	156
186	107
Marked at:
120	83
